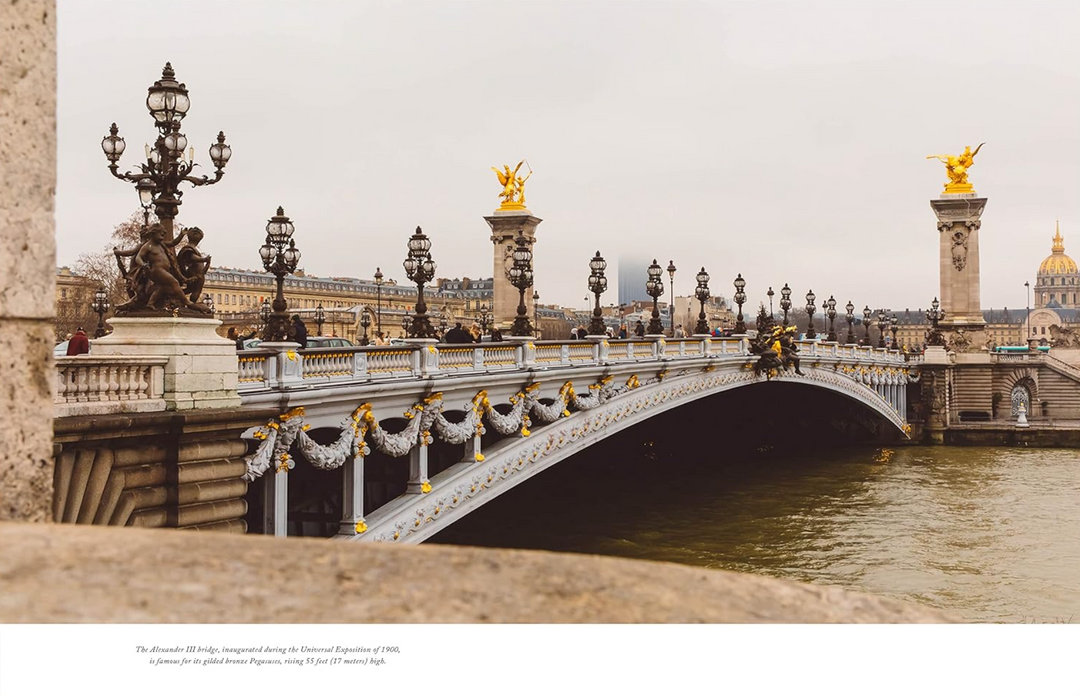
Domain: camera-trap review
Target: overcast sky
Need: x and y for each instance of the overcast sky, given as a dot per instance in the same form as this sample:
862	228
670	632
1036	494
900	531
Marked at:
782	141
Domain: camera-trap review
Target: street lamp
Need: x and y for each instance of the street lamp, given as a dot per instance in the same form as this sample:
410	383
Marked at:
279	256
934	315
320	317
894	326
671	309
655	287
264	311
485	318
1027	322
521	277
536	310
830	312
770	293
740	298
701	292
208	300
850	316
443	326
167	163
378	301
881	328
785	301
420	269
867	319
365	323
100	304
597	285
810	307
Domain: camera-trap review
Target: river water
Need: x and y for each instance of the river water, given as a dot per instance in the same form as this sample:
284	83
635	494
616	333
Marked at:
988	534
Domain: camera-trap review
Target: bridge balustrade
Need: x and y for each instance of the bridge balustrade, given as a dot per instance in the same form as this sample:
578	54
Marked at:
98	385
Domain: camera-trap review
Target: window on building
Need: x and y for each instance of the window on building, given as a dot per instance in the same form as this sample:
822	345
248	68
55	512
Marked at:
63	293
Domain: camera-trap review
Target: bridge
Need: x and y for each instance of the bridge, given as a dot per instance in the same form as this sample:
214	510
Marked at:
494	415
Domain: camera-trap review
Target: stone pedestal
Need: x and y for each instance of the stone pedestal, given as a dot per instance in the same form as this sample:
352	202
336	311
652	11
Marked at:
202	367
505	227
958	217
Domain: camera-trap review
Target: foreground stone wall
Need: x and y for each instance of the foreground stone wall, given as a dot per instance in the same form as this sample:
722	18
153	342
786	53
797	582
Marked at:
72	574
27	255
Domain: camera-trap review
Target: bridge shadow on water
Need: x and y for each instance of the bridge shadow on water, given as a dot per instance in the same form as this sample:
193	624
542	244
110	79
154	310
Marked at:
705	484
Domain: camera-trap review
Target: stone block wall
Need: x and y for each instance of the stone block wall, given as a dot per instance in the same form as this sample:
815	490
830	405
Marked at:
27	255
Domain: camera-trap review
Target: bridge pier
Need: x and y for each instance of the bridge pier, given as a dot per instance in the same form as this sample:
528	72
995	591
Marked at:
352	512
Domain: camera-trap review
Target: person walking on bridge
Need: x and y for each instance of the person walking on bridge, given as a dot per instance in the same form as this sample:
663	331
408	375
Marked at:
79	344
457	335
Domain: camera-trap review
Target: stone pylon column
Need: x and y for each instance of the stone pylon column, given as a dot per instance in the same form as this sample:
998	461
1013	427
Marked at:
958	217
505	227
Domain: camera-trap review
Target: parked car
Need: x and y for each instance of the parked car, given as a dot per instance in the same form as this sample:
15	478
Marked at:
251	343
328	342
397	341
60	350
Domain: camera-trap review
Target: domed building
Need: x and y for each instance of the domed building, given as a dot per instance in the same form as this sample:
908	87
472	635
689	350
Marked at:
1058	281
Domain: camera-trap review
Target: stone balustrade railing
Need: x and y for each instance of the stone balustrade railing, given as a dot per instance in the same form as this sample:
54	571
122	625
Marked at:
98	385
264	369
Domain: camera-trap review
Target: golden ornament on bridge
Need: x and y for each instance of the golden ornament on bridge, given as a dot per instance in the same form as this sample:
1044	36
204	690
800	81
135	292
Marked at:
513	193
956	167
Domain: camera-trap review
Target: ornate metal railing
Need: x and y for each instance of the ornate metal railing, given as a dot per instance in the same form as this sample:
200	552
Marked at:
98	385
262	369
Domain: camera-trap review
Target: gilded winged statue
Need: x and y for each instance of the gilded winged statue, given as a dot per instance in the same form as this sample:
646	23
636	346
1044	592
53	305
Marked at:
956	167
513	192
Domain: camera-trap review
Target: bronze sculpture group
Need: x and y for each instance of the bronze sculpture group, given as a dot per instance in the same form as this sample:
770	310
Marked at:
161	280
775	347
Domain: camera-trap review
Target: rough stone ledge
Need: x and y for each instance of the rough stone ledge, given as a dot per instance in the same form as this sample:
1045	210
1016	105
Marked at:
67	573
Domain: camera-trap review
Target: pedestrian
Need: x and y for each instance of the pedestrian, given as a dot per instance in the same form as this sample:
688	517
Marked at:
457	335
582	333
622	331
679	332
239	339
476	333
573	334
639	329
300	335
380	339
496	335
79	343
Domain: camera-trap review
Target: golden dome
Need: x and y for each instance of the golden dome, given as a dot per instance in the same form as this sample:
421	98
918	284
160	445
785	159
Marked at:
1057	263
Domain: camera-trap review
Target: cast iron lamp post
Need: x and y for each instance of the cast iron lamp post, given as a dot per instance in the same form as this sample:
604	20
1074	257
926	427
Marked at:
655	287
934	315
894	326
671	309
830	312
867	319
420	269
279	256
264	311
785	301
485	318
810	308
882	328
320	318
771	294
597	285
701	292
168	163
850	316
740	298
521	277
536	311
365	324
208	300
405	325
443	326
100	304
378	300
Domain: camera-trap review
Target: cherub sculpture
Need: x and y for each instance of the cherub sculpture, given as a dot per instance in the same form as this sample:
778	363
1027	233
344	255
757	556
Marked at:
193	265
154	280
956	167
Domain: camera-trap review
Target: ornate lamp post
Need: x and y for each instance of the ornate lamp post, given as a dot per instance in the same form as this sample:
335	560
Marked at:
882	328
771	294
701	292
420	269
536	310
320	318
671	308
168	163
867	319
365	324
405	321
521	277
443	326
850	316
894	326
785	301
655	287
378	301
934	315
597	286
810	308
208	300
100	304
264	311
279	256
485	318
830	312
740	298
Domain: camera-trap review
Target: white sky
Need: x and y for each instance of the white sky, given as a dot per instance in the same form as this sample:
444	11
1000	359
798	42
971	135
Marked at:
785	141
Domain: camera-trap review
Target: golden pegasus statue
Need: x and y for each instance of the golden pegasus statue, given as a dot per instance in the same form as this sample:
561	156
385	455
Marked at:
956	167
513	192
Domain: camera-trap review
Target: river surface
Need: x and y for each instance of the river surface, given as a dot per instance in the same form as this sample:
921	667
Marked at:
989	534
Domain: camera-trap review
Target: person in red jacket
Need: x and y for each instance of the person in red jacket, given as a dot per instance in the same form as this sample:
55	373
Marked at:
79	343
